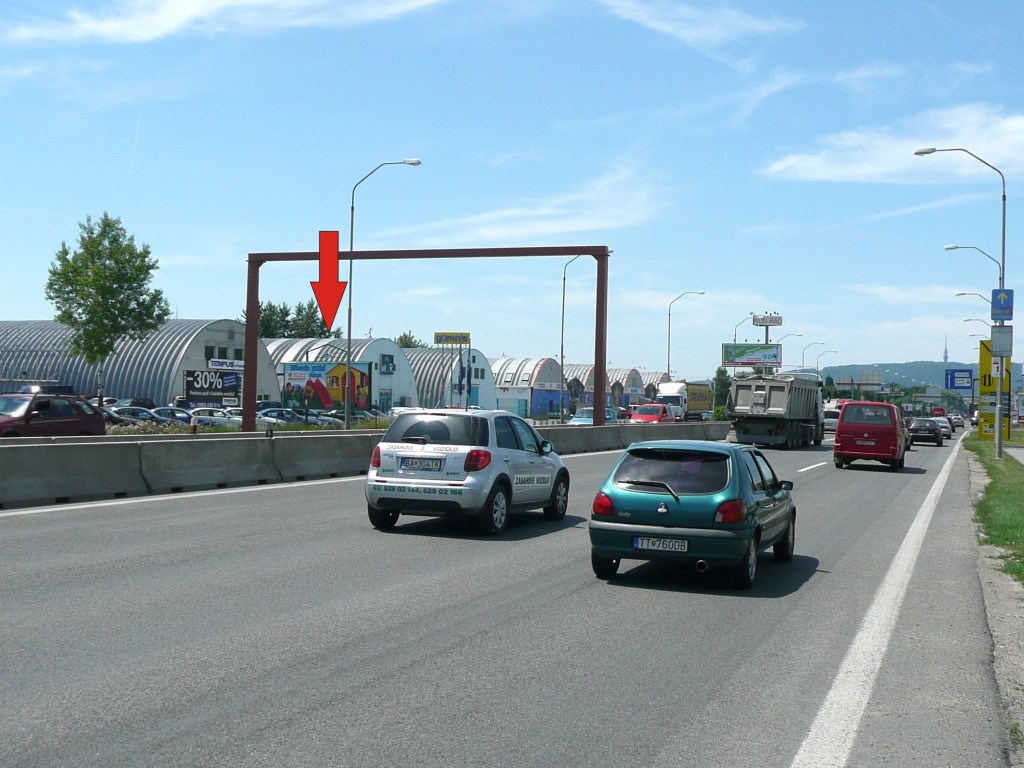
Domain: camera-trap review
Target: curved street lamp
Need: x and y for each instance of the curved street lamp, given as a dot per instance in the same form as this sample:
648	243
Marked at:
736	328
805	350
971	293
1002	275
977	320
817	367
973	248
351	247
668	359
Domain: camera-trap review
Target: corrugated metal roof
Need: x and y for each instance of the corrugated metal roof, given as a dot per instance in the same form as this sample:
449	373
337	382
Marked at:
536	370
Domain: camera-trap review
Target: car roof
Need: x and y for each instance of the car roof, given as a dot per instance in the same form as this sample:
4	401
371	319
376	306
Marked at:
708	446
459	411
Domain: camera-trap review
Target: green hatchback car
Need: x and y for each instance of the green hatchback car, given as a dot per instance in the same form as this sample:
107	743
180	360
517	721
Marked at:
708	504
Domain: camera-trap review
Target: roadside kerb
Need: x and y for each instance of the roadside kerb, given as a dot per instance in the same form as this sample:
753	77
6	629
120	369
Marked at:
33	475
302	457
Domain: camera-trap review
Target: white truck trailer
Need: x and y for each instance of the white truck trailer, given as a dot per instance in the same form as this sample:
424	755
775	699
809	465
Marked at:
782	409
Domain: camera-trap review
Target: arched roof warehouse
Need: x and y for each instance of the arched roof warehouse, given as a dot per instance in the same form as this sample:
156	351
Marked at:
437	370
153	368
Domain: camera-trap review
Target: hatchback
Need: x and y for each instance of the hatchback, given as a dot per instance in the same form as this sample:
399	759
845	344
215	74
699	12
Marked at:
473	463
702	503
585	417
45	415
925	430
651	414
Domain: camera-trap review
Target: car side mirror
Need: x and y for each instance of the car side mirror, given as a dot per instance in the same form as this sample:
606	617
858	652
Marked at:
546	447
31	415
785	485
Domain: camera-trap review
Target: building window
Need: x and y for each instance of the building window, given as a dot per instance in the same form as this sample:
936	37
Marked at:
222	353
239	353
210	353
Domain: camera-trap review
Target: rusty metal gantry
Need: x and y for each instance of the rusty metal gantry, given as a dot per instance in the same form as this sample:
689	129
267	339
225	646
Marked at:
250	374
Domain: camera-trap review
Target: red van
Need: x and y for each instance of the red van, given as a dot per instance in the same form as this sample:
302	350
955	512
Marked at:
871	431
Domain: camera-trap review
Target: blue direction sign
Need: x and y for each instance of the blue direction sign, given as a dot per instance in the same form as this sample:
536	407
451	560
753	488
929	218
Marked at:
959	378
1002	304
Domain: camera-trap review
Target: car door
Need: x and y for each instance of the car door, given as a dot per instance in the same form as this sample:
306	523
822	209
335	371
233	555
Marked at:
516	460
778	500
541	466
766	506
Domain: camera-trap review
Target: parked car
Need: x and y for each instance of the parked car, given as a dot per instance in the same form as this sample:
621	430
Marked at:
141	414
585	417
286	416
925	431
182	415
943	422
871	431
218	417
483	464
46	415
708	504
134	402
262	422
114	420
653	413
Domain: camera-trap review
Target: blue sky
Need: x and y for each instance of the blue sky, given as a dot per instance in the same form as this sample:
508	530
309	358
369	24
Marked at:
762	153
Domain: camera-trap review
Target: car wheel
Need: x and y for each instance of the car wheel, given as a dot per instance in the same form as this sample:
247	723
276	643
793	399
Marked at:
783	548
939	443
604	567
382	519
746	569
901	463
494	514
838	463
555	510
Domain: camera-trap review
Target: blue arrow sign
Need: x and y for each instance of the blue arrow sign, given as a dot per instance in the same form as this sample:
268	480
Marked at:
1002	304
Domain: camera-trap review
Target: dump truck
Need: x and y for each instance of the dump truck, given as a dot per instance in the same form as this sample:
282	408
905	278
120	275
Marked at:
685	401
783	409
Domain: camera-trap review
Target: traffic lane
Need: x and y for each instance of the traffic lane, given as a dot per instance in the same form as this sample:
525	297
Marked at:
454	641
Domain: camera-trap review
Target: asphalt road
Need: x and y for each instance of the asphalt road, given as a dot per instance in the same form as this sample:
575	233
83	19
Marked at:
273	626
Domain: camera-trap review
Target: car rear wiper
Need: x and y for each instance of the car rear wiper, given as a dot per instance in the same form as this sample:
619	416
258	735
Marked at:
654	484
419	440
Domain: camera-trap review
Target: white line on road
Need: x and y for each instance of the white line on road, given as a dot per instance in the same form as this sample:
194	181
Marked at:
813	466
830	740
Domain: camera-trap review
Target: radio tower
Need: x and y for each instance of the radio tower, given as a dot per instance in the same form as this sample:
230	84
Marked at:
945	349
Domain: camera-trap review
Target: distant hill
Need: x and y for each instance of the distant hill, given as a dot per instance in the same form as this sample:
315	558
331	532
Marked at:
917	373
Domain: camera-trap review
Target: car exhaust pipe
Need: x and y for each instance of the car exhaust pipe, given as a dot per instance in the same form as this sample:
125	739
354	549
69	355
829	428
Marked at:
702	566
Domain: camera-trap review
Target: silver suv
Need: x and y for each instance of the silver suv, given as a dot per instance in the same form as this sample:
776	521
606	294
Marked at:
463	463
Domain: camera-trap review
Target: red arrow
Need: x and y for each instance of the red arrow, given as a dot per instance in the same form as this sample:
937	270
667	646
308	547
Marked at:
327	289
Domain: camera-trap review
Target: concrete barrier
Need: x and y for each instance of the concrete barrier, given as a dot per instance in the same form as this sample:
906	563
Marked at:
192	465
33	475
566	440
302	457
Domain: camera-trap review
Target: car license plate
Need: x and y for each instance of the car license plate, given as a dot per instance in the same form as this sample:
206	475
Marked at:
663	545
418	462
865	442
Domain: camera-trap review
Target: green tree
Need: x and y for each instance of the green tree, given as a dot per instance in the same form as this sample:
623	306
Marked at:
275	320
722	383
102	291
408	341
307	322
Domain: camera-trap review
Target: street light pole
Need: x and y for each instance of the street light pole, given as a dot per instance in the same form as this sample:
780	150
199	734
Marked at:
351	247
817	362
668	359
561	347
736	327
805	352
973	248
1002	285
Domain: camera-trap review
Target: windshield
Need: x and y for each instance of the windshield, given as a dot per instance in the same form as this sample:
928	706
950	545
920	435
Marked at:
585	413
13	406
679	471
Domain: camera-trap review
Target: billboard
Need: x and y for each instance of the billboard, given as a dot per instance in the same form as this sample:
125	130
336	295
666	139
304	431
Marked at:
213	389
321	385
752	355
959	378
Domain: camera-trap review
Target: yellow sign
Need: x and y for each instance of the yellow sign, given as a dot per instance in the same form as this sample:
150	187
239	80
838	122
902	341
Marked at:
988	382
451	338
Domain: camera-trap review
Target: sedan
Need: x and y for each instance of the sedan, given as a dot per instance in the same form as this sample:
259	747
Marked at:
141	414
707	504
585	417
218	417
943	422
181	415
925	431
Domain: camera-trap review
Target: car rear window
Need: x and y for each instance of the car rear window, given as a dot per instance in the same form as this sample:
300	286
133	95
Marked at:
683	471
444	429
830	414
867	414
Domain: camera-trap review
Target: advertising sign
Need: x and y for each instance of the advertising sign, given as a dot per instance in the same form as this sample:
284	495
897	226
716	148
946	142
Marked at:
213	389
321	385
451	338
752	355
989	369
959	378
767	320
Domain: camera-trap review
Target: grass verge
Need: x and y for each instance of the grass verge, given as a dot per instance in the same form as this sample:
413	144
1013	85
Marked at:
1000	512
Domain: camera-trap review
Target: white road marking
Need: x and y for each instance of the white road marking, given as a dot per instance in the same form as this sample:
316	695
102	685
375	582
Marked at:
830	740
813	466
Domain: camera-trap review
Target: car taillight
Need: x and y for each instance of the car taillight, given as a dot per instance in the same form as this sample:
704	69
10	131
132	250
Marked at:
730	512
477	460
375	458
603	505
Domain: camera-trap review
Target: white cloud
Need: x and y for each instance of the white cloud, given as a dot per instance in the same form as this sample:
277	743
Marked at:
866	76
886	154
138	21
902	296
614	201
